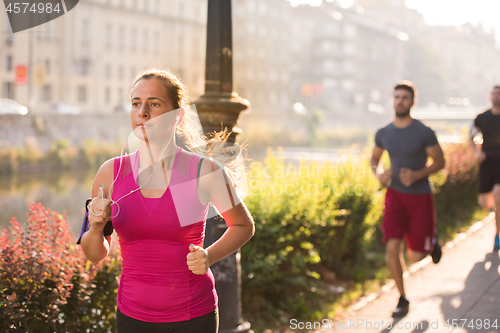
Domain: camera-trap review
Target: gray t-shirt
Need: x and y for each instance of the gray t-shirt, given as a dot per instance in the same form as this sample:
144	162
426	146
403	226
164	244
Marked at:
406	148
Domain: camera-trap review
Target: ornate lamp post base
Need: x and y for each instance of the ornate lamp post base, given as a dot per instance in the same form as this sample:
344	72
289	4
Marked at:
221	109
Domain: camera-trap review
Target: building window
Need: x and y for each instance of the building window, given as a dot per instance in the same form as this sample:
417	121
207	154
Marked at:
181	8
250	73
251	6
8	90
145	40
146	6
82	94
85	31
181	51
158	7
107	71
134	4
107	95
109	36
263	8
263	30
121	38
46	93
120	96
133	41
157	42
120	72
251	28
9	63
84	68
133	73
47	66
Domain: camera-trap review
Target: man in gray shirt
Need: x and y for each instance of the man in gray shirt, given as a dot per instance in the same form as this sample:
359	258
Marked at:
409	203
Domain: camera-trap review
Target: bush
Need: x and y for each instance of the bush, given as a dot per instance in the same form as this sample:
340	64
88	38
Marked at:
311	218
309	226
456	189
46	285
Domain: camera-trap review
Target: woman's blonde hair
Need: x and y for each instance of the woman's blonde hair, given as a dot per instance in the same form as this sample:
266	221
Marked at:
188	134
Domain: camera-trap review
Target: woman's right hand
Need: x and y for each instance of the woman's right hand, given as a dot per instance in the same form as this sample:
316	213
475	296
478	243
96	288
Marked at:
102	208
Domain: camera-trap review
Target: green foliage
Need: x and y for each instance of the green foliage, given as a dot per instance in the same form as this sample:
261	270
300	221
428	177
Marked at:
60	156
46	285
318	218
308	217
456	189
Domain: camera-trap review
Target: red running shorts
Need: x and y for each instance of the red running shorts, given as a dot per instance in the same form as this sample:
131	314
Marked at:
412	215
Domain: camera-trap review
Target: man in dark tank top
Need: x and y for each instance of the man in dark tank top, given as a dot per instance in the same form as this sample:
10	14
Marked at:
488	123
409	213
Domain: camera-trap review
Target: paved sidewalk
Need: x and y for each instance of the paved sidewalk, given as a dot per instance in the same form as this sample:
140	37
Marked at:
464	286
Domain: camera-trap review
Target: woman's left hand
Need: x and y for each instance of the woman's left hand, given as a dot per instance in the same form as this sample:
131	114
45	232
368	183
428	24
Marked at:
197	260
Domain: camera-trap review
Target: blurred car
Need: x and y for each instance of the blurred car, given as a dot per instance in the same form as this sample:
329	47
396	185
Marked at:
9	106
65	108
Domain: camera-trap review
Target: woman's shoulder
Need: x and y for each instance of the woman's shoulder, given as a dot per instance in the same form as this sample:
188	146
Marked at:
203	162
107	169
109	164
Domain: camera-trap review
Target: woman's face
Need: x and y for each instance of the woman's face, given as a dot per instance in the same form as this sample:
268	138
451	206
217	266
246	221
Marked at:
149	101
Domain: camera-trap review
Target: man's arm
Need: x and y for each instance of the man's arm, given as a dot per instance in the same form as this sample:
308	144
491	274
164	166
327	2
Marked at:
478	154
382	175
409	176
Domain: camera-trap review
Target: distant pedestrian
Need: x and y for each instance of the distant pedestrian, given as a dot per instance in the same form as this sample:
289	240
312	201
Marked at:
488	123
409	203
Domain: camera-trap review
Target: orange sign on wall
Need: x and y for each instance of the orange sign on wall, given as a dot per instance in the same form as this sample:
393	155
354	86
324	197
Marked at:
21	74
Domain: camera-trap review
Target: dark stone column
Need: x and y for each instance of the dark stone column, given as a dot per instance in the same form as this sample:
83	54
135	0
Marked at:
219	104
219	108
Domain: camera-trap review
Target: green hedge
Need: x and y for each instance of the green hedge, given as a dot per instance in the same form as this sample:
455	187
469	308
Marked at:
303	236
47	286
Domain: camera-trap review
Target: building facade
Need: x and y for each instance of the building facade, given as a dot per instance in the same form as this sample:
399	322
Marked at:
90	56
353	60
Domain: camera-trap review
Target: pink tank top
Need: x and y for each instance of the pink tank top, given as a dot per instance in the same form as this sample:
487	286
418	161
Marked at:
156	284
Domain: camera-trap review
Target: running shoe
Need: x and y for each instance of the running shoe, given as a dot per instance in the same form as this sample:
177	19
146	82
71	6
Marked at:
497	243
436	251
402	308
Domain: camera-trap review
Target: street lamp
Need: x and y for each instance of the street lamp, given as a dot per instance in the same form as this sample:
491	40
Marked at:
220	105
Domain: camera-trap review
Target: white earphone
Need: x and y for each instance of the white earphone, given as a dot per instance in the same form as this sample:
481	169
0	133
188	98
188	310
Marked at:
177	118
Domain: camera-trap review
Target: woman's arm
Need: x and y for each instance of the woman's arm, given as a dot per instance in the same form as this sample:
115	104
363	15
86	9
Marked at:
94	244
221	191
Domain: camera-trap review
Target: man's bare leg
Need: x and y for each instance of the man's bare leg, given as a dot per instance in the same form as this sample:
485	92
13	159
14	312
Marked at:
492	200
396	265
496	199
415	256
395	262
